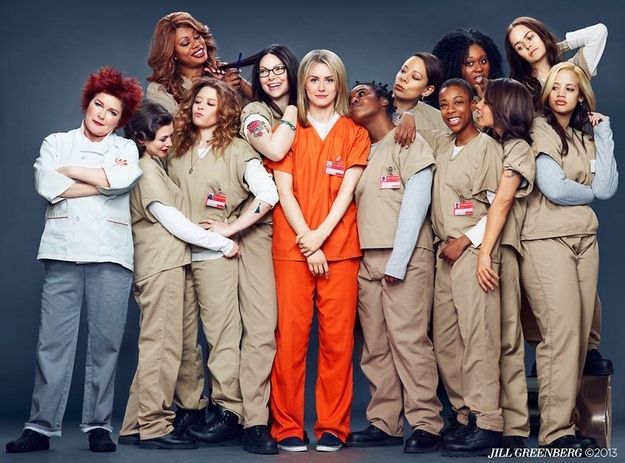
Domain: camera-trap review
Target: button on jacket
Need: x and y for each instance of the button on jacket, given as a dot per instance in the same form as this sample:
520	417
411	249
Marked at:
93	228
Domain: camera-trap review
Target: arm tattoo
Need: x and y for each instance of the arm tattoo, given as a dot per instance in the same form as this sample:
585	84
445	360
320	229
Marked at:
257	129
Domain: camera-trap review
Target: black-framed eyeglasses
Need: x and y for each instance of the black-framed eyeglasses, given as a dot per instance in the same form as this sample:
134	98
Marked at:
277	70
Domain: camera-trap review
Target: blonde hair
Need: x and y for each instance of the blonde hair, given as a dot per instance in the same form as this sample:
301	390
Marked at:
585	89
339	73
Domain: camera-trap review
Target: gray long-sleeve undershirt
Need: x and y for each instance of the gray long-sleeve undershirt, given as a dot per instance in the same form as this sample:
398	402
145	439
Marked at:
552	182
414	207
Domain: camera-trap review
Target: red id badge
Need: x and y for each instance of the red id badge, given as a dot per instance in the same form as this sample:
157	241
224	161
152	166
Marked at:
389	182
464	207
217	200
335	168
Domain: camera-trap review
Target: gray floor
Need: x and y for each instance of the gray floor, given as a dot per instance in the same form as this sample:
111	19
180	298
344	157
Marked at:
73	448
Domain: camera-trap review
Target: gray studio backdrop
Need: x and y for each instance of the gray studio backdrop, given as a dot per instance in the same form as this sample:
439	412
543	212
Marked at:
48	48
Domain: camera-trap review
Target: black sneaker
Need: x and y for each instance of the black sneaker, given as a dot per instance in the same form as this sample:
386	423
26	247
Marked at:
256	439
186	418
128	439
596	365
293	444
328	442
100	441
476	442
513	442
223	430
565	442
422	442
29	441
372	436
171	441
454	430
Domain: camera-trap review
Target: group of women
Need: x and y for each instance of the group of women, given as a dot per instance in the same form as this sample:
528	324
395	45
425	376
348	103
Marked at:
401	212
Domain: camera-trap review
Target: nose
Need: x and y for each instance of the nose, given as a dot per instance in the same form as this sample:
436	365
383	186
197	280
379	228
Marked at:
321	85
168	143
478	68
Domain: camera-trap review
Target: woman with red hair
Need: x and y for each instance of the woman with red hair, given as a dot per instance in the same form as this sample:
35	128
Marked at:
87	254
183	50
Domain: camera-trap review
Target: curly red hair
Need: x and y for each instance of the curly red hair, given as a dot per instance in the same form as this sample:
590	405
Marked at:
111	81
228	117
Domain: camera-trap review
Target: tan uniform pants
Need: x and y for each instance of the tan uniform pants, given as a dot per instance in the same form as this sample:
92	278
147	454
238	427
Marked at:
398	356
259	315
559	276
216	289
513	394
165	325
467	338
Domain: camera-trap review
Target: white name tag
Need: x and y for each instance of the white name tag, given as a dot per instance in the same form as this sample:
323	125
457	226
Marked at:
593	166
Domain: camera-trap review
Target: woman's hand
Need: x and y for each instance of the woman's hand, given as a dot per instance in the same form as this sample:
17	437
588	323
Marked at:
223	228
212	68
453	249
486	276
310	241
595	118
406	130
318	264
232	77
234	252
391	280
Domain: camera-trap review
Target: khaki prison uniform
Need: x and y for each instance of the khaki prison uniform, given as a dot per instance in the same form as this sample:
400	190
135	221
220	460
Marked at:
257	301
158	94
428	118
397	356
466	320
559	272
160	266
518	157
216	281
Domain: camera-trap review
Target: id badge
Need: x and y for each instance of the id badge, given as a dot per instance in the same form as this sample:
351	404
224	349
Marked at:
593	166
389	182
216	200
464	207
335	168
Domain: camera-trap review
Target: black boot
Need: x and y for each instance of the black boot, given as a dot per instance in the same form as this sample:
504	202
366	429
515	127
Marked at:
372	436
29	441
475	442
513	442
186	418
454	429
256	439
129	439
223	430
565	442
422	442
171	441
596	365
100	441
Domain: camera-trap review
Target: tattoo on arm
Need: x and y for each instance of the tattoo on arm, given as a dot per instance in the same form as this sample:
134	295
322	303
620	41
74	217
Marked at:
257	210
257	129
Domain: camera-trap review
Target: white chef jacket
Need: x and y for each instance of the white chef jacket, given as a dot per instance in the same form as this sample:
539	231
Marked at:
93	228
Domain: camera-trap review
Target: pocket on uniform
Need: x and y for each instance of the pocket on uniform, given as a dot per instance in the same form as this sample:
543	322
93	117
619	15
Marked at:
57	223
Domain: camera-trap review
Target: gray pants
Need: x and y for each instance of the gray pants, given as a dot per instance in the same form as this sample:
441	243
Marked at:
105	288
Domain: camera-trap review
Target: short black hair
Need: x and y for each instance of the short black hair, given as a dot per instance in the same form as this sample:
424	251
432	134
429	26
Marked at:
144	123
466	86
381	91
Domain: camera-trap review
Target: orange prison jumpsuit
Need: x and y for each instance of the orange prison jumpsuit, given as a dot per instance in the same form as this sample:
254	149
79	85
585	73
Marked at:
297	288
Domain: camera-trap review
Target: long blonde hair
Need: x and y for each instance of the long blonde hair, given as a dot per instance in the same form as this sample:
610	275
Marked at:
186	133
162	51
339	73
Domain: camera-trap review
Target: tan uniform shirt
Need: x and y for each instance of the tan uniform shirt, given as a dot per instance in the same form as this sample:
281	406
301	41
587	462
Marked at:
156	92
156	249
214	174
461	183
545	219
378	207
518	157
428	117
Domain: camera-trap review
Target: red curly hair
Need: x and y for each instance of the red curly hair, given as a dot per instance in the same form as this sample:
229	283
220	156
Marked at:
111	81
163	50
228	117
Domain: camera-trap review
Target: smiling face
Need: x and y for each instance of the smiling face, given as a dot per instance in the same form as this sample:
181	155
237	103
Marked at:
204	109
102	116
476	67
364	103
456	108
564	94
276	82
320	86
527	44
190	47
411	82
159	147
